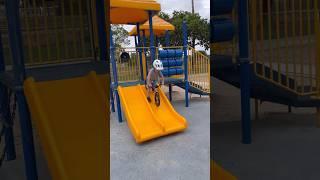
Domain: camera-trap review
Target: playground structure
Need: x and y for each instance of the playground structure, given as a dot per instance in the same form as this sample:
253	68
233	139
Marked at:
160	28
53	69
273	57
184	67
53	62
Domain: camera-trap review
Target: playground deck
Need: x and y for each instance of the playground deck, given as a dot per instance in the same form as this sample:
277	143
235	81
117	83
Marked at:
284	145
178	156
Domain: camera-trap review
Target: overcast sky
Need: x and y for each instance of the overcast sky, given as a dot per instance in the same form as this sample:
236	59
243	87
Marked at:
200	6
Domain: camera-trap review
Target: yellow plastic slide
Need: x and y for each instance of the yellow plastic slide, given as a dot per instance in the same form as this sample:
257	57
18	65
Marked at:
218	173
145	120
71	119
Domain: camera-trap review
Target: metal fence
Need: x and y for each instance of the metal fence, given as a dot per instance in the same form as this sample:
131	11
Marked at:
129	70
282	43
54	31
199	70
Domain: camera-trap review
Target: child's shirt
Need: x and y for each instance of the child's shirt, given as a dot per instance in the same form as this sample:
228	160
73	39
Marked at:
154	75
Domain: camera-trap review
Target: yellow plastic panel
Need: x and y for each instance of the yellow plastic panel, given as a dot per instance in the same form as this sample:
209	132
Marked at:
131	11
145	120
71	119
218	173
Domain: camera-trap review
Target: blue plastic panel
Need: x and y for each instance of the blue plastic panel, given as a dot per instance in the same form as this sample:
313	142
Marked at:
178	62
172	71
220	7
222	30
172	62
170	53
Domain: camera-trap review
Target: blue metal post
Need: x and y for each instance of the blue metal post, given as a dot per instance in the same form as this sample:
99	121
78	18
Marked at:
101	21
140	53
185	58
244	71
135	41
167	39
152	48
115	77
145	45
167	36
4	109
16	45
112	99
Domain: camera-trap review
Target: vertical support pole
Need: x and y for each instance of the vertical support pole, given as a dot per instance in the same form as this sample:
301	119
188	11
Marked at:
145	45
112	99
135	41
12	10
140	53
101	21
167	38
152	48
115	77
185	58
244	71
144	38
5	111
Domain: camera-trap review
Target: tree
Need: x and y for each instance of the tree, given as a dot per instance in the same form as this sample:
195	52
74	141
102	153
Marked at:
198	29
120	35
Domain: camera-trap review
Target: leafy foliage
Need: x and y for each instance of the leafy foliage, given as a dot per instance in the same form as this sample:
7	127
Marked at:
198	29
120	35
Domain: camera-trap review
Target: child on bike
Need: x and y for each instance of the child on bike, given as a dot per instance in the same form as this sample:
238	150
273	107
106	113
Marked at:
155	75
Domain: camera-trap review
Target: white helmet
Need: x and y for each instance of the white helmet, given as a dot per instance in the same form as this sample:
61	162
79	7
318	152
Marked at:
157	64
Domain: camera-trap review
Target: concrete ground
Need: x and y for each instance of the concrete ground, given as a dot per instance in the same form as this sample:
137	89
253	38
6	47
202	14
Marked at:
181	156
284	145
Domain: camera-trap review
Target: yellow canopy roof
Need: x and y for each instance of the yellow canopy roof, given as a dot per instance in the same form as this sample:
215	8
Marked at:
132	11
160	26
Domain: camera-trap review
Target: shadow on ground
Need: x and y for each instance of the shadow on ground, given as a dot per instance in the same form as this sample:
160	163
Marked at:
284	145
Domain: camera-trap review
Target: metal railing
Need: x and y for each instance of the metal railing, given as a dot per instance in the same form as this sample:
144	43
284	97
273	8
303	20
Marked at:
199	70
129	70
54	31
283	43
